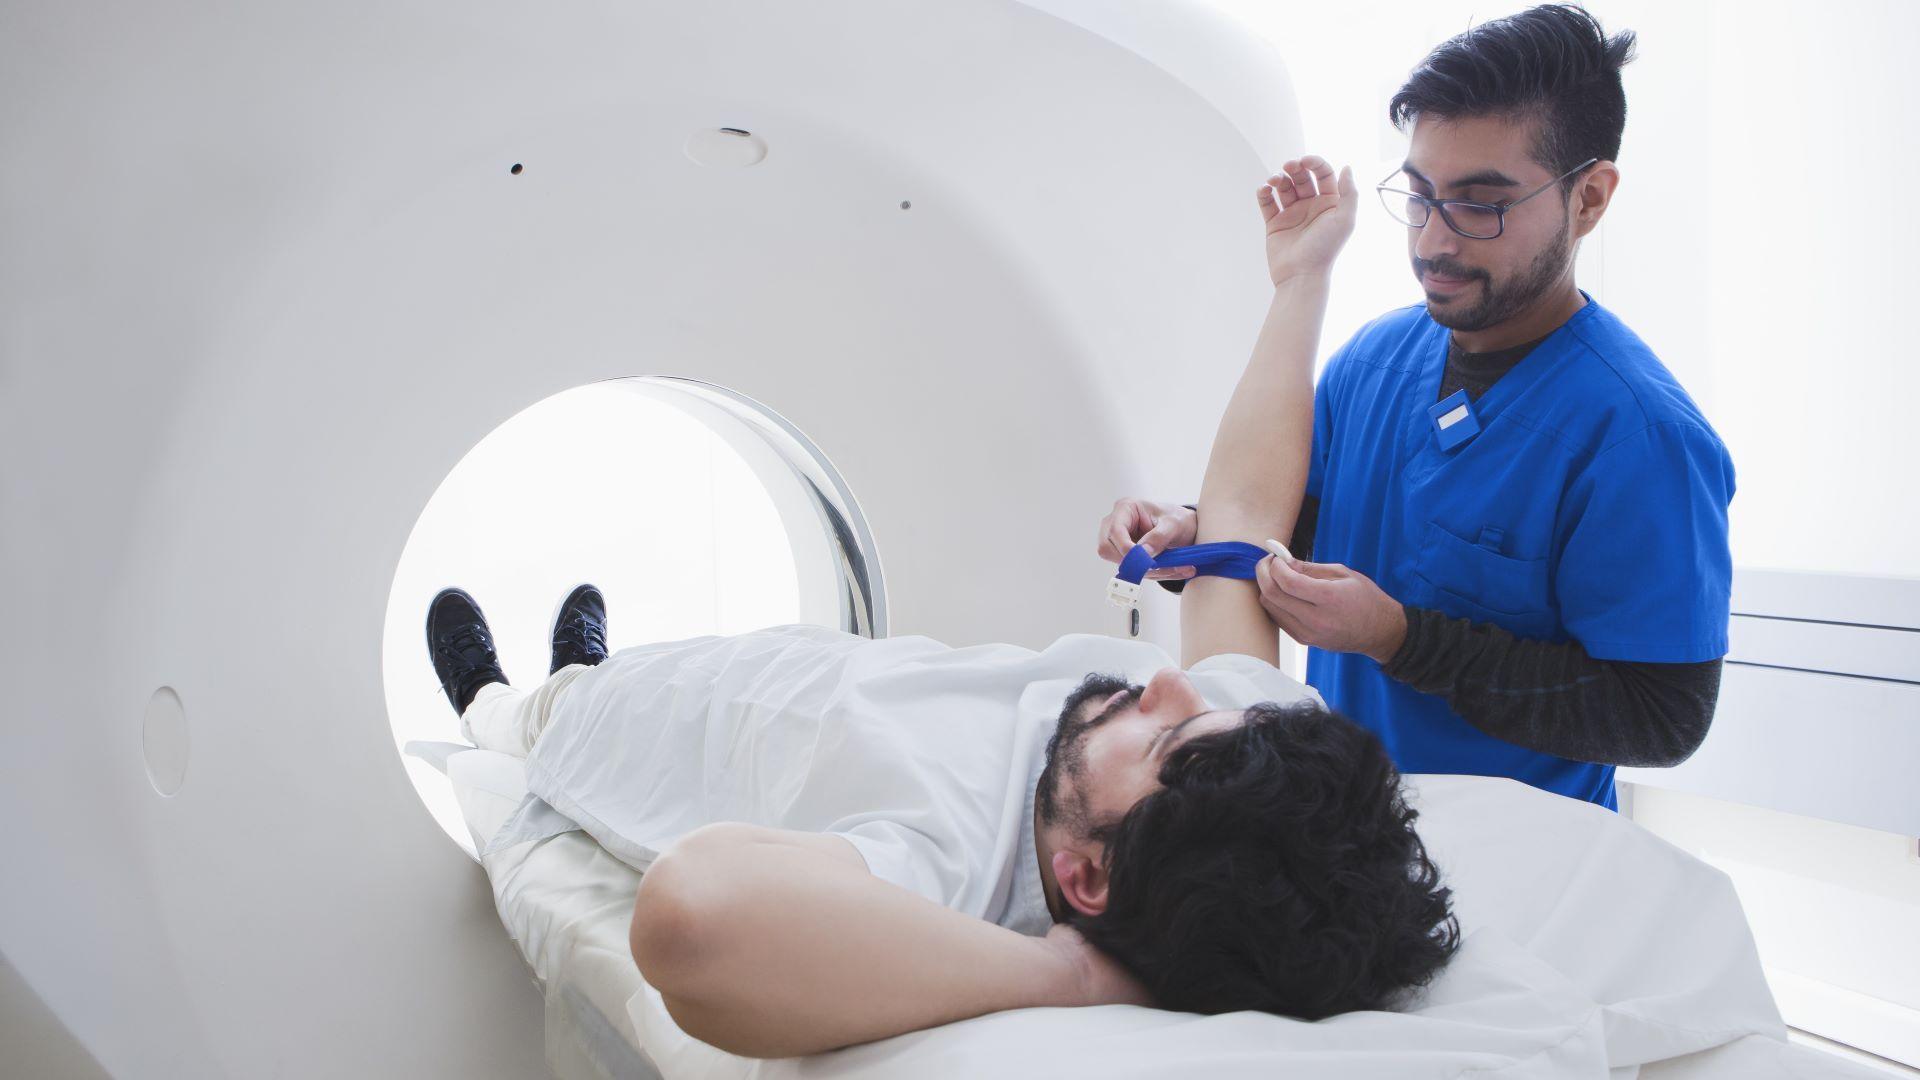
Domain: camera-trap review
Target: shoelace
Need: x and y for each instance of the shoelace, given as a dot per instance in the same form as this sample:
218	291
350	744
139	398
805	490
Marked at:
582	633
463	643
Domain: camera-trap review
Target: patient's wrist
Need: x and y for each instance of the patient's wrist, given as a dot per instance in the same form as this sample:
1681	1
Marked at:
1086	975
1319	277
1060	980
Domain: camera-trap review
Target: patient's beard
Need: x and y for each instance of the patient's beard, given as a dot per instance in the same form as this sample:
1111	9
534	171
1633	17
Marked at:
1059	797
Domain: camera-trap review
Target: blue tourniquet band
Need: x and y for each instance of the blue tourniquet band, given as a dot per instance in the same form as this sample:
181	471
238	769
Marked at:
1228	558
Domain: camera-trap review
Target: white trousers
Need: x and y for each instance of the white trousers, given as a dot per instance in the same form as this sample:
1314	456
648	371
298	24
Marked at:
509	719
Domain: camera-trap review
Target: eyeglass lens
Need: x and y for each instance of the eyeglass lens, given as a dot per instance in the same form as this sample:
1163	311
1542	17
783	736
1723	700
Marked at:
1475	221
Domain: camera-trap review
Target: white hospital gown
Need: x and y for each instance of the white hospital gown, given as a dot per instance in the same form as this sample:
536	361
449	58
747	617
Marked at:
922	755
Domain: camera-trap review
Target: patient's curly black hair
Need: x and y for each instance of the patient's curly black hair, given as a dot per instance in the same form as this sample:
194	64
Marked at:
1277	869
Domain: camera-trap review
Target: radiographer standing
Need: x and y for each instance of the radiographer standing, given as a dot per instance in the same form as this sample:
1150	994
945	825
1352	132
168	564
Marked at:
1516	517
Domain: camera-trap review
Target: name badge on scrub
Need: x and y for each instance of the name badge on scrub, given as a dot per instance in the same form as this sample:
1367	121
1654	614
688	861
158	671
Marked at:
1453	420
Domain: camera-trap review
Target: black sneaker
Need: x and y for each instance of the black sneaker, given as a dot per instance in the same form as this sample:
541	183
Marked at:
580	629
462	647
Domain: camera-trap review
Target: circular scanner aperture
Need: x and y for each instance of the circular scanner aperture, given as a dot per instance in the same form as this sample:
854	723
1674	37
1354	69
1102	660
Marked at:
681	501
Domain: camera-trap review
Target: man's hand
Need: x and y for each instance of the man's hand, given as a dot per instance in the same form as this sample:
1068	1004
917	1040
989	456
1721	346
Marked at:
1307	224
1157	525
1331	607
1101	979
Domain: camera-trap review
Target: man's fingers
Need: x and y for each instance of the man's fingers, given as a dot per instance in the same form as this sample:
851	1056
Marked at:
1285	620
1275	197
1293	185
1145	520
1301	177
1295	630
1277	605
1272	591
1324	571
1294	583
1322	173
1289	584
1157	538
1114	538
1171	573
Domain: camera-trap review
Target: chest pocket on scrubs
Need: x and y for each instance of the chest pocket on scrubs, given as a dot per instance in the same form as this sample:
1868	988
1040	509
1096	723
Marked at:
1474	581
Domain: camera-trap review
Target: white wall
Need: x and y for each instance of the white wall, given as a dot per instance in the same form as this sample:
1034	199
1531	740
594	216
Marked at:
1761	242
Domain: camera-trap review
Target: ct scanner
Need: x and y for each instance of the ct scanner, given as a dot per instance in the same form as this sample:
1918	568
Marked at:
268	271
271	269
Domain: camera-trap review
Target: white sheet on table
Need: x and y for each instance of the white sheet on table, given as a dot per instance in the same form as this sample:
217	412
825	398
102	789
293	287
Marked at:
1591	946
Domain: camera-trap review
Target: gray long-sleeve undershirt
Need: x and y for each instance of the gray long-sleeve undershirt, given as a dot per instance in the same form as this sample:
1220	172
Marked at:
1546	696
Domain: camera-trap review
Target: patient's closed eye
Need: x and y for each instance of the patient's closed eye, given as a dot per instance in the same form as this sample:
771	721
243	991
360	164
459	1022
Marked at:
1158	738
1167	734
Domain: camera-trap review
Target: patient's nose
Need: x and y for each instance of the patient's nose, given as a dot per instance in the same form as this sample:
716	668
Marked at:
1171	693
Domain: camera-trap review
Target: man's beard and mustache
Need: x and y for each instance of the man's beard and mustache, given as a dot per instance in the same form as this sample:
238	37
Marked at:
1060	796
1497	305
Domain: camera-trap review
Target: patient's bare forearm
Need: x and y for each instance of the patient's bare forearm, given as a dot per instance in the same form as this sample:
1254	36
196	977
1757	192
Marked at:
768	947
1257	471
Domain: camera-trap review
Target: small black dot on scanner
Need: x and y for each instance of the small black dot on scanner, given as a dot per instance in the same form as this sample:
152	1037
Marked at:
906	204
516	169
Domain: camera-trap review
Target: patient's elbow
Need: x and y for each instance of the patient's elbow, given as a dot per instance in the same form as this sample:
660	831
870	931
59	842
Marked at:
671	936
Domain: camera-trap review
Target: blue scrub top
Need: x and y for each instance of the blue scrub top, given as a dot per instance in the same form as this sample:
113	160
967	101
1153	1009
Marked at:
1591	506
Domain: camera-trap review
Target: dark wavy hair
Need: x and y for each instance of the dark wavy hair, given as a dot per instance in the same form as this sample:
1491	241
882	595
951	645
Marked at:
1276	869
1552	63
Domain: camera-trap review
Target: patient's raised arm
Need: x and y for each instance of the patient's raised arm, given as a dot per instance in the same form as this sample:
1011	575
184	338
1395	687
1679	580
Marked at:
1257	472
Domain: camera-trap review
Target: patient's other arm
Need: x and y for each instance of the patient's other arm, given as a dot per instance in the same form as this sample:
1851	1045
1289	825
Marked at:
771	943
1257	473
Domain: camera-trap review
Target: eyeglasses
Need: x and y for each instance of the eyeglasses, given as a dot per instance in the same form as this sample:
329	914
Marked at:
1475	220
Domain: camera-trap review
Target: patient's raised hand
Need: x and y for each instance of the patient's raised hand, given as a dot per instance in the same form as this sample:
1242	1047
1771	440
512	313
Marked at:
1102	980
1308	215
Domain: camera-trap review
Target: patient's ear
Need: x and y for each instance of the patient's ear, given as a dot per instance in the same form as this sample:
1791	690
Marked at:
1082	881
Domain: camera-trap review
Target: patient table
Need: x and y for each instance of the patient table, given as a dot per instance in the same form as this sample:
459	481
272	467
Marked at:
566	903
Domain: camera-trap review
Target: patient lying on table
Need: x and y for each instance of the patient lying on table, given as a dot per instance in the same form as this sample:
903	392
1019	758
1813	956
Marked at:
845	839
